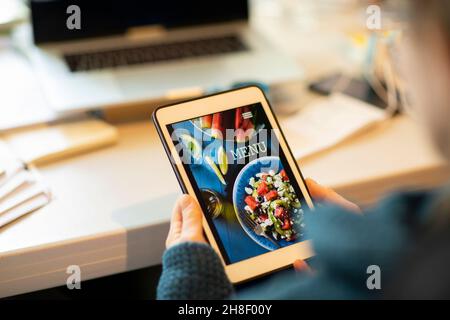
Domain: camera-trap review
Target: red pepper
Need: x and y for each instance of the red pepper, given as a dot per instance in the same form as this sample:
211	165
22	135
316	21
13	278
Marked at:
217	130
206	121
283	175
251	202
262	188
238	118
263	217
247	123
249	126
271	195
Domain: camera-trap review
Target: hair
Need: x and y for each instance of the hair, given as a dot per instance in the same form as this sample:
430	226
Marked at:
423	272
429	22
422	12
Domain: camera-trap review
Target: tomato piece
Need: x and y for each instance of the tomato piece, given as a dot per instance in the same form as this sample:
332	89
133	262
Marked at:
263	217
271	195
251	202
262	188
286	224
283	175
280	212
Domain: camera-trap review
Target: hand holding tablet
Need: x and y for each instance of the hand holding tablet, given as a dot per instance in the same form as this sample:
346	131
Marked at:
229	154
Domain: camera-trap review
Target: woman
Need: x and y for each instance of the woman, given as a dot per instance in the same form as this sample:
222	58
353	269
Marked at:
395	236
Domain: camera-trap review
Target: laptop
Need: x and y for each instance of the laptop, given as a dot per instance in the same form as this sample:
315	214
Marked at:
92	54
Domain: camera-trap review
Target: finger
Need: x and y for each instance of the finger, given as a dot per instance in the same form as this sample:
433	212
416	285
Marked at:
175	224
191	217
176	218
321	193
301	266
316	190
340	200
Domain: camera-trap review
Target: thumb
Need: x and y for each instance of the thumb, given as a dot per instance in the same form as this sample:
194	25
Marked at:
191	217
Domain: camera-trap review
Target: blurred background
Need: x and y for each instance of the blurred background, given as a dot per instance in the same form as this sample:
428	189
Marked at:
118	55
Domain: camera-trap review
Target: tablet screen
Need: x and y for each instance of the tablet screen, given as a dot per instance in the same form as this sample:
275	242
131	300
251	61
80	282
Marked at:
244	184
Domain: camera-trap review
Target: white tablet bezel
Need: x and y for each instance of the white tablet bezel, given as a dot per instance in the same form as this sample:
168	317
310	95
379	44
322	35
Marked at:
167	115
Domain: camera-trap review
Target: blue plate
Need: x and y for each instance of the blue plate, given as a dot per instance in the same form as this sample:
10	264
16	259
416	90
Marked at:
263	164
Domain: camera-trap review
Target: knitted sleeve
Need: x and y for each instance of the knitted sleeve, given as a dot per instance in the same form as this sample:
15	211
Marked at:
192	271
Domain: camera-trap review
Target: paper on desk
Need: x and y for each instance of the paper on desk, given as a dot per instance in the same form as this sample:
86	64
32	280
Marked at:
52	142
15	184
9	163
327	122
22	190
39	200
23	193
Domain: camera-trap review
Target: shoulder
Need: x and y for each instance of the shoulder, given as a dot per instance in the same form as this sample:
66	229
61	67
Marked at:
351	242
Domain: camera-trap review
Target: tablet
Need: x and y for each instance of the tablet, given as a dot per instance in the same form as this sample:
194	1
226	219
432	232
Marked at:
228	152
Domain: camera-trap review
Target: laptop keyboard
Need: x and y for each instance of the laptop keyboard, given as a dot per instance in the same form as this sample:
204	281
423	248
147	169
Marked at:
154	53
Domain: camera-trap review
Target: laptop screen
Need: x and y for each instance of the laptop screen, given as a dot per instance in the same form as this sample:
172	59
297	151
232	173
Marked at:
59	20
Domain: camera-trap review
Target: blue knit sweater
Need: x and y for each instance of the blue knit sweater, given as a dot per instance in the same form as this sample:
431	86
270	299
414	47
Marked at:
345	245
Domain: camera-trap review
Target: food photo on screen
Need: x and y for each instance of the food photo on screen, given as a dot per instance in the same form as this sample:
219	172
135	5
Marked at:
238	171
